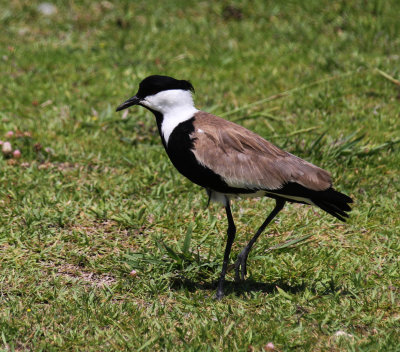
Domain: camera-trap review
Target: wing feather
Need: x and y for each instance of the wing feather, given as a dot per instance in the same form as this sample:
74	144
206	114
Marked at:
246	160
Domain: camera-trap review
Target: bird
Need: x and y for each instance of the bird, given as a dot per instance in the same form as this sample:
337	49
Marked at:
230	161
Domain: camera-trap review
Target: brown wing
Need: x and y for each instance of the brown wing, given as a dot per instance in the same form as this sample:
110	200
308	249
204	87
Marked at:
246	160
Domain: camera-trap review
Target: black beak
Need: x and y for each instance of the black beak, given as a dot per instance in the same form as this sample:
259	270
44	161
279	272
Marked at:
131	101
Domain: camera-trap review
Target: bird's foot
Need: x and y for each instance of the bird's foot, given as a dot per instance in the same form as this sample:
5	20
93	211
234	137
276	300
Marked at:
220	288
241	266
219	295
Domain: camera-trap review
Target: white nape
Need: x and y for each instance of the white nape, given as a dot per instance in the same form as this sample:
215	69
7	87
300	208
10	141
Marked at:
176	106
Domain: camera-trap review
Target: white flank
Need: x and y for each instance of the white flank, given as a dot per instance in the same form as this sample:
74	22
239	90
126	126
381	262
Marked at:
176	106
301	199
220	198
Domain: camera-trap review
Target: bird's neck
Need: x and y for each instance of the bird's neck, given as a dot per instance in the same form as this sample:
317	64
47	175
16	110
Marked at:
171	108
174	117
168	121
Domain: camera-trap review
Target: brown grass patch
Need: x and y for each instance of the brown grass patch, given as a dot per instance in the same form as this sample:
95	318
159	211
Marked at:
77	273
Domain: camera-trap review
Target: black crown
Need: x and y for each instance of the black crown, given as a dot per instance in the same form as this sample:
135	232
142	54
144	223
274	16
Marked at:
154	84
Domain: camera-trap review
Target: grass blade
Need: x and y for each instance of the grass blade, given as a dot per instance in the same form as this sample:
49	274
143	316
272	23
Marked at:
388	77
289	243
188	238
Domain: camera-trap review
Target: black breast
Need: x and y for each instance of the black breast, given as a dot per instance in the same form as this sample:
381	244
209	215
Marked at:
179	150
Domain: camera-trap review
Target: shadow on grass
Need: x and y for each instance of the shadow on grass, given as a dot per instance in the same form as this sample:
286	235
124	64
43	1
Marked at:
239	288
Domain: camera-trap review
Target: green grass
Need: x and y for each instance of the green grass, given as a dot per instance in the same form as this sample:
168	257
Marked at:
94	196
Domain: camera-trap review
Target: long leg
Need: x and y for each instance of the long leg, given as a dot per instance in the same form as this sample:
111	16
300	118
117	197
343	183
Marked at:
241	262
231	236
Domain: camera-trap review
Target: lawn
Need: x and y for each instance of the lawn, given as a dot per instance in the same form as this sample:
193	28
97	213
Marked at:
93	195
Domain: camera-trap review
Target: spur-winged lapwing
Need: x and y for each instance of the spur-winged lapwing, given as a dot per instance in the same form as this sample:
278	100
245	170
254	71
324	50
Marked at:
228	161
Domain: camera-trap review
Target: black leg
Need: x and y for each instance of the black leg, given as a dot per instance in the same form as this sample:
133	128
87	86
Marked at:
231	236
241	262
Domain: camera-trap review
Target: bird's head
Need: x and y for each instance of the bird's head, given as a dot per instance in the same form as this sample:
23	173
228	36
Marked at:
161	94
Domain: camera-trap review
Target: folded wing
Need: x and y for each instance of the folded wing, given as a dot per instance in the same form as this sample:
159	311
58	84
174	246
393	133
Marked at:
245	160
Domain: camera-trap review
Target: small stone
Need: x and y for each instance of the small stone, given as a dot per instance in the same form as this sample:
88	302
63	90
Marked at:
43	166
133	273
6	148
107	5
47	9
341	333
23	30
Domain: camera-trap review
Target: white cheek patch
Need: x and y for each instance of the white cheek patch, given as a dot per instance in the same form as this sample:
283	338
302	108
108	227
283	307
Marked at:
175	105
167	100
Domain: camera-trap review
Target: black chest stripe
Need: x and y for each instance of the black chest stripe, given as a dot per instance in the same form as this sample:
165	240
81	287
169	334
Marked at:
179	150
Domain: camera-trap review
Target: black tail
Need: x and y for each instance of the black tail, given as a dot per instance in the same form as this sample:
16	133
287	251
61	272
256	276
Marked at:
333	202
